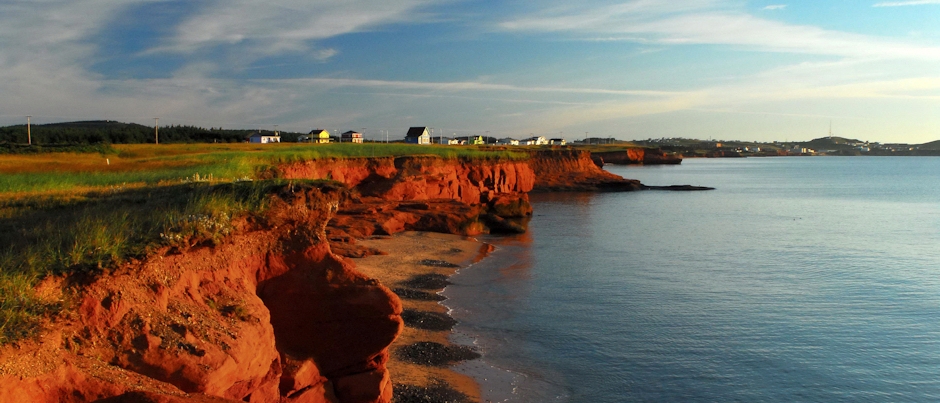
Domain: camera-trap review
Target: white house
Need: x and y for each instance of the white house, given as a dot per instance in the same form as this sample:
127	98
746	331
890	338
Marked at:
351	137
534	141
418	135
264	138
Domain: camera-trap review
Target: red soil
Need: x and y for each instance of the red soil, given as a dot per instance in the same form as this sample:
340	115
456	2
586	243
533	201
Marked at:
273	314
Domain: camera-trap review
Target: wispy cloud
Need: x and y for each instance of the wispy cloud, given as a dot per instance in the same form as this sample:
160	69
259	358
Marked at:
713	23
905	3
472	86
285	25
775	7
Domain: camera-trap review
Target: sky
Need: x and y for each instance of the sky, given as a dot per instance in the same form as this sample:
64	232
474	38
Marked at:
709	69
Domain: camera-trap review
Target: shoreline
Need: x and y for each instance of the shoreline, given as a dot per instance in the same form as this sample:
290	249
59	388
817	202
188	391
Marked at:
409	256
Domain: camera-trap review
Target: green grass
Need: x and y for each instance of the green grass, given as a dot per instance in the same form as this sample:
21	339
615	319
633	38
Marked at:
134	165
88	210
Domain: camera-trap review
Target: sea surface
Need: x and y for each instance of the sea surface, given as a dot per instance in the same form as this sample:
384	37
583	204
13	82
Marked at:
799	279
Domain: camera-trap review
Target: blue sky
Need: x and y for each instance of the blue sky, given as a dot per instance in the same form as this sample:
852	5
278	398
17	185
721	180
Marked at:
721	69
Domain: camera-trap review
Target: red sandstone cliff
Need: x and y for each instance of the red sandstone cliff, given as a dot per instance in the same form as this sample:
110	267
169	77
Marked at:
574	170
424	193
638	155
272	314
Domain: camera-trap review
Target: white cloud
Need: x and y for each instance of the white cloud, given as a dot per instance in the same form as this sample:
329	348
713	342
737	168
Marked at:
905	3
285	25
713	23
775	7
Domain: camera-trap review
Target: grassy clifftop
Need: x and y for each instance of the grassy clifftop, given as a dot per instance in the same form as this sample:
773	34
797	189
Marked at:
144	165
68	213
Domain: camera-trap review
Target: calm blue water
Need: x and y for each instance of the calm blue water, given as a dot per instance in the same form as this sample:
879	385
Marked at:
797	280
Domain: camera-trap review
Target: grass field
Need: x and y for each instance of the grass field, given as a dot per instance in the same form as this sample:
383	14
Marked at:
148	164
86	212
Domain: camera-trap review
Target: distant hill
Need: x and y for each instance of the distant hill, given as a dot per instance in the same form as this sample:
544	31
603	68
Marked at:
933	145
112	132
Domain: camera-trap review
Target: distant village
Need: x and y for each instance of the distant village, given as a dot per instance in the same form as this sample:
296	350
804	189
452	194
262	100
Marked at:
415	135
829	145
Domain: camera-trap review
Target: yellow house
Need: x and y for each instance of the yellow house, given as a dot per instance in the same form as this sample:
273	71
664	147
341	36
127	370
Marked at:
319	136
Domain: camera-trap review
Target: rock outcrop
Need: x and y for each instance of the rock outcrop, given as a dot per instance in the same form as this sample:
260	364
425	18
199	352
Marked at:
574	170
423	193
274	313
270	315
636	155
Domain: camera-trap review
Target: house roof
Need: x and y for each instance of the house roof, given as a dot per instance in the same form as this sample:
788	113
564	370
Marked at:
416	131
350	133
318	131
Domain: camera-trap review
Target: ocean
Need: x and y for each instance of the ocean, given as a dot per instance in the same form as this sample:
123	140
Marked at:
799	279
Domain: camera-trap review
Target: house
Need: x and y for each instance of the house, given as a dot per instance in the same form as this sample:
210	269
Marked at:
418	135
508	141
264	138
477	140
320	136
557	142
534	141
351	137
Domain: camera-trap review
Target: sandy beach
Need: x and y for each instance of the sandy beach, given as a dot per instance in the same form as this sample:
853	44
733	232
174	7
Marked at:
414	266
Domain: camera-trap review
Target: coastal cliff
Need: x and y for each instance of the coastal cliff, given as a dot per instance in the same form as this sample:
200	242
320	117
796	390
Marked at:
574	170
275	312
636	156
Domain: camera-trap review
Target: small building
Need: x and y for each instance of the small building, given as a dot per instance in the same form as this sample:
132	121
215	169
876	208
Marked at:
534	141
351	137
507	142
418	135
317	136
477	140
557	142
264	138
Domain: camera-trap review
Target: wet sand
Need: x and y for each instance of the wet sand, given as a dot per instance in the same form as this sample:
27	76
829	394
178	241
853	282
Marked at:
417	264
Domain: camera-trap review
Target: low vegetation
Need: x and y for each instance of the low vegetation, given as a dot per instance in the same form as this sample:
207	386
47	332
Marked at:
86	234
142	164
81	210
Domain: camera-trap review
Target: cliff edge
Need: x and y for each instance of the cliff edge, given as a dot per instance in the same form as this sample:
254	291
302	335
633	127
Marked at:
274	312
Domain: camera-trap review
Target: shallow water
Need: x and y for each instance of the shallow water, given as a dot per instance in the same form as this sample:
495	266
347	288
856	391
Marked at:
798	279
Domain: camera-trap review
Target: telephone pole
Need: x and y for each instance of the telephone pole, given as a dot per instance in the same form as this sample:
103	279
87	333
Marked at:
156	130
29	137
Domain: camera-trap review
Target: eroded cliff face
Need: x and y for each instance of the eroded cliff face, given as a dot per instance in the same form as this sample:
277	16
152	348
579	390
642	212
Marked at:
271	315
275	314
638	155
424	194
574	170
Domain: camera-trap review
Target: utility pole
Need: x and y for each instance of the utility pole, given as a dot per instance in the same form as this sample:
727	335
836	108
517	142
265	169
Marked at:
156	130
29	137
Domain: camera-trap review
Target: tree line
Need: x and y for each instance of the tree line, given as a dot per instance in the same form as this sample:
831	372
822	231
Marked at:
110	132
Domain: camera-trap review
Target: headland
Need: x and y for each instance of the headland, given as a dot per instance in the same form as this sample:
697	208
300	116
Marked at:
304	284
